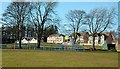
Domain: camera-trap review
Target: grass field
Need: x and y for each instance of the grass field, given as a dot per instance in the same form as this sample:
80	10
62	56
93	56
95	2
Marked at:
41	58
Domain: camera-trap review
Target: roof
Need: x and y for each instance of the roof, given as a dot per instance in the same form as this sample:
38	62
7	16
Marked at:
83	33
104	33
28	38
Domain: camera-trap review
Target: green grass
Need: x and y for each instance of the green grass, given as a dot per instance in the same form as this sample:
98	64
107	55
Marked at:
41	58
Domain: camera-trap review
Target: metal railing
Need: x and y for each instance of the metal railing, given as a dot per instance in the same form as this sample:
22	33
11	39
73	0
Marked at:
43	47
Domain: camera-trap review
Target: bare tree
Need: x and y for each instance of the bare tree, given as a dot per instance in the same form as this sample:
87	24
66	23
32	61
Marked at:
41	13
16	15
98	20
76	19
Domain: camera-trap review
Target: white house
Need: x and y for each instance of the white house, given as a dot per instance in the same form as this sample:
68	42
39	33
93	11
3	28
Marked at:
25	41
90	40
33	40
99	40
102	38
55	38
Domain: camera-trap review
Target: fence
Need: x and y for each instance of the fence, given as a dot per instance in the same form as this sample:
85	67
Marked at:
43	47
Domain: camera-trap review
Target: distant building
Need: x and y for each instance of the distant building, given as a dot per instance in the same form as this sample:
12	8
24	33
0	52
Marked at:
23	41
33	40
28	40
81	37
56	38
99	39
84	37
102	38
109	38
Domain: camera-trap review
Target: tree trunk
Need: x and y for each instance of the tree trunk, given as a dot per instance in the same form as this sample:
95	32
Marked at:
74	36
20	42
27	32
39	40
40	31
20	36
93	43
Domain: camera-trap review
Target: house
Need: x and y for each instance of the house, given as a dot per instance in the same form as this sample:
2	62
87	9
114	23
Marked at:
28	40
56	38
33	40
90	40
84	37
102	38
81	37
108	37
99	39
23	41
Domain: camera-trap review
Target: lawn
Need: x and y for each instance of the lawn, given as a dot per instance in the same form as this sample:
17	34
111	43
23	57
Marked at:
42	58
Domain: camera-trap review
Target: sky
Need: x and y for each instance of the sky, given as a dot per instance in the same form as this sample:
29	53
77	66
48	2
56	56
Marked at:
64	7
63	0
